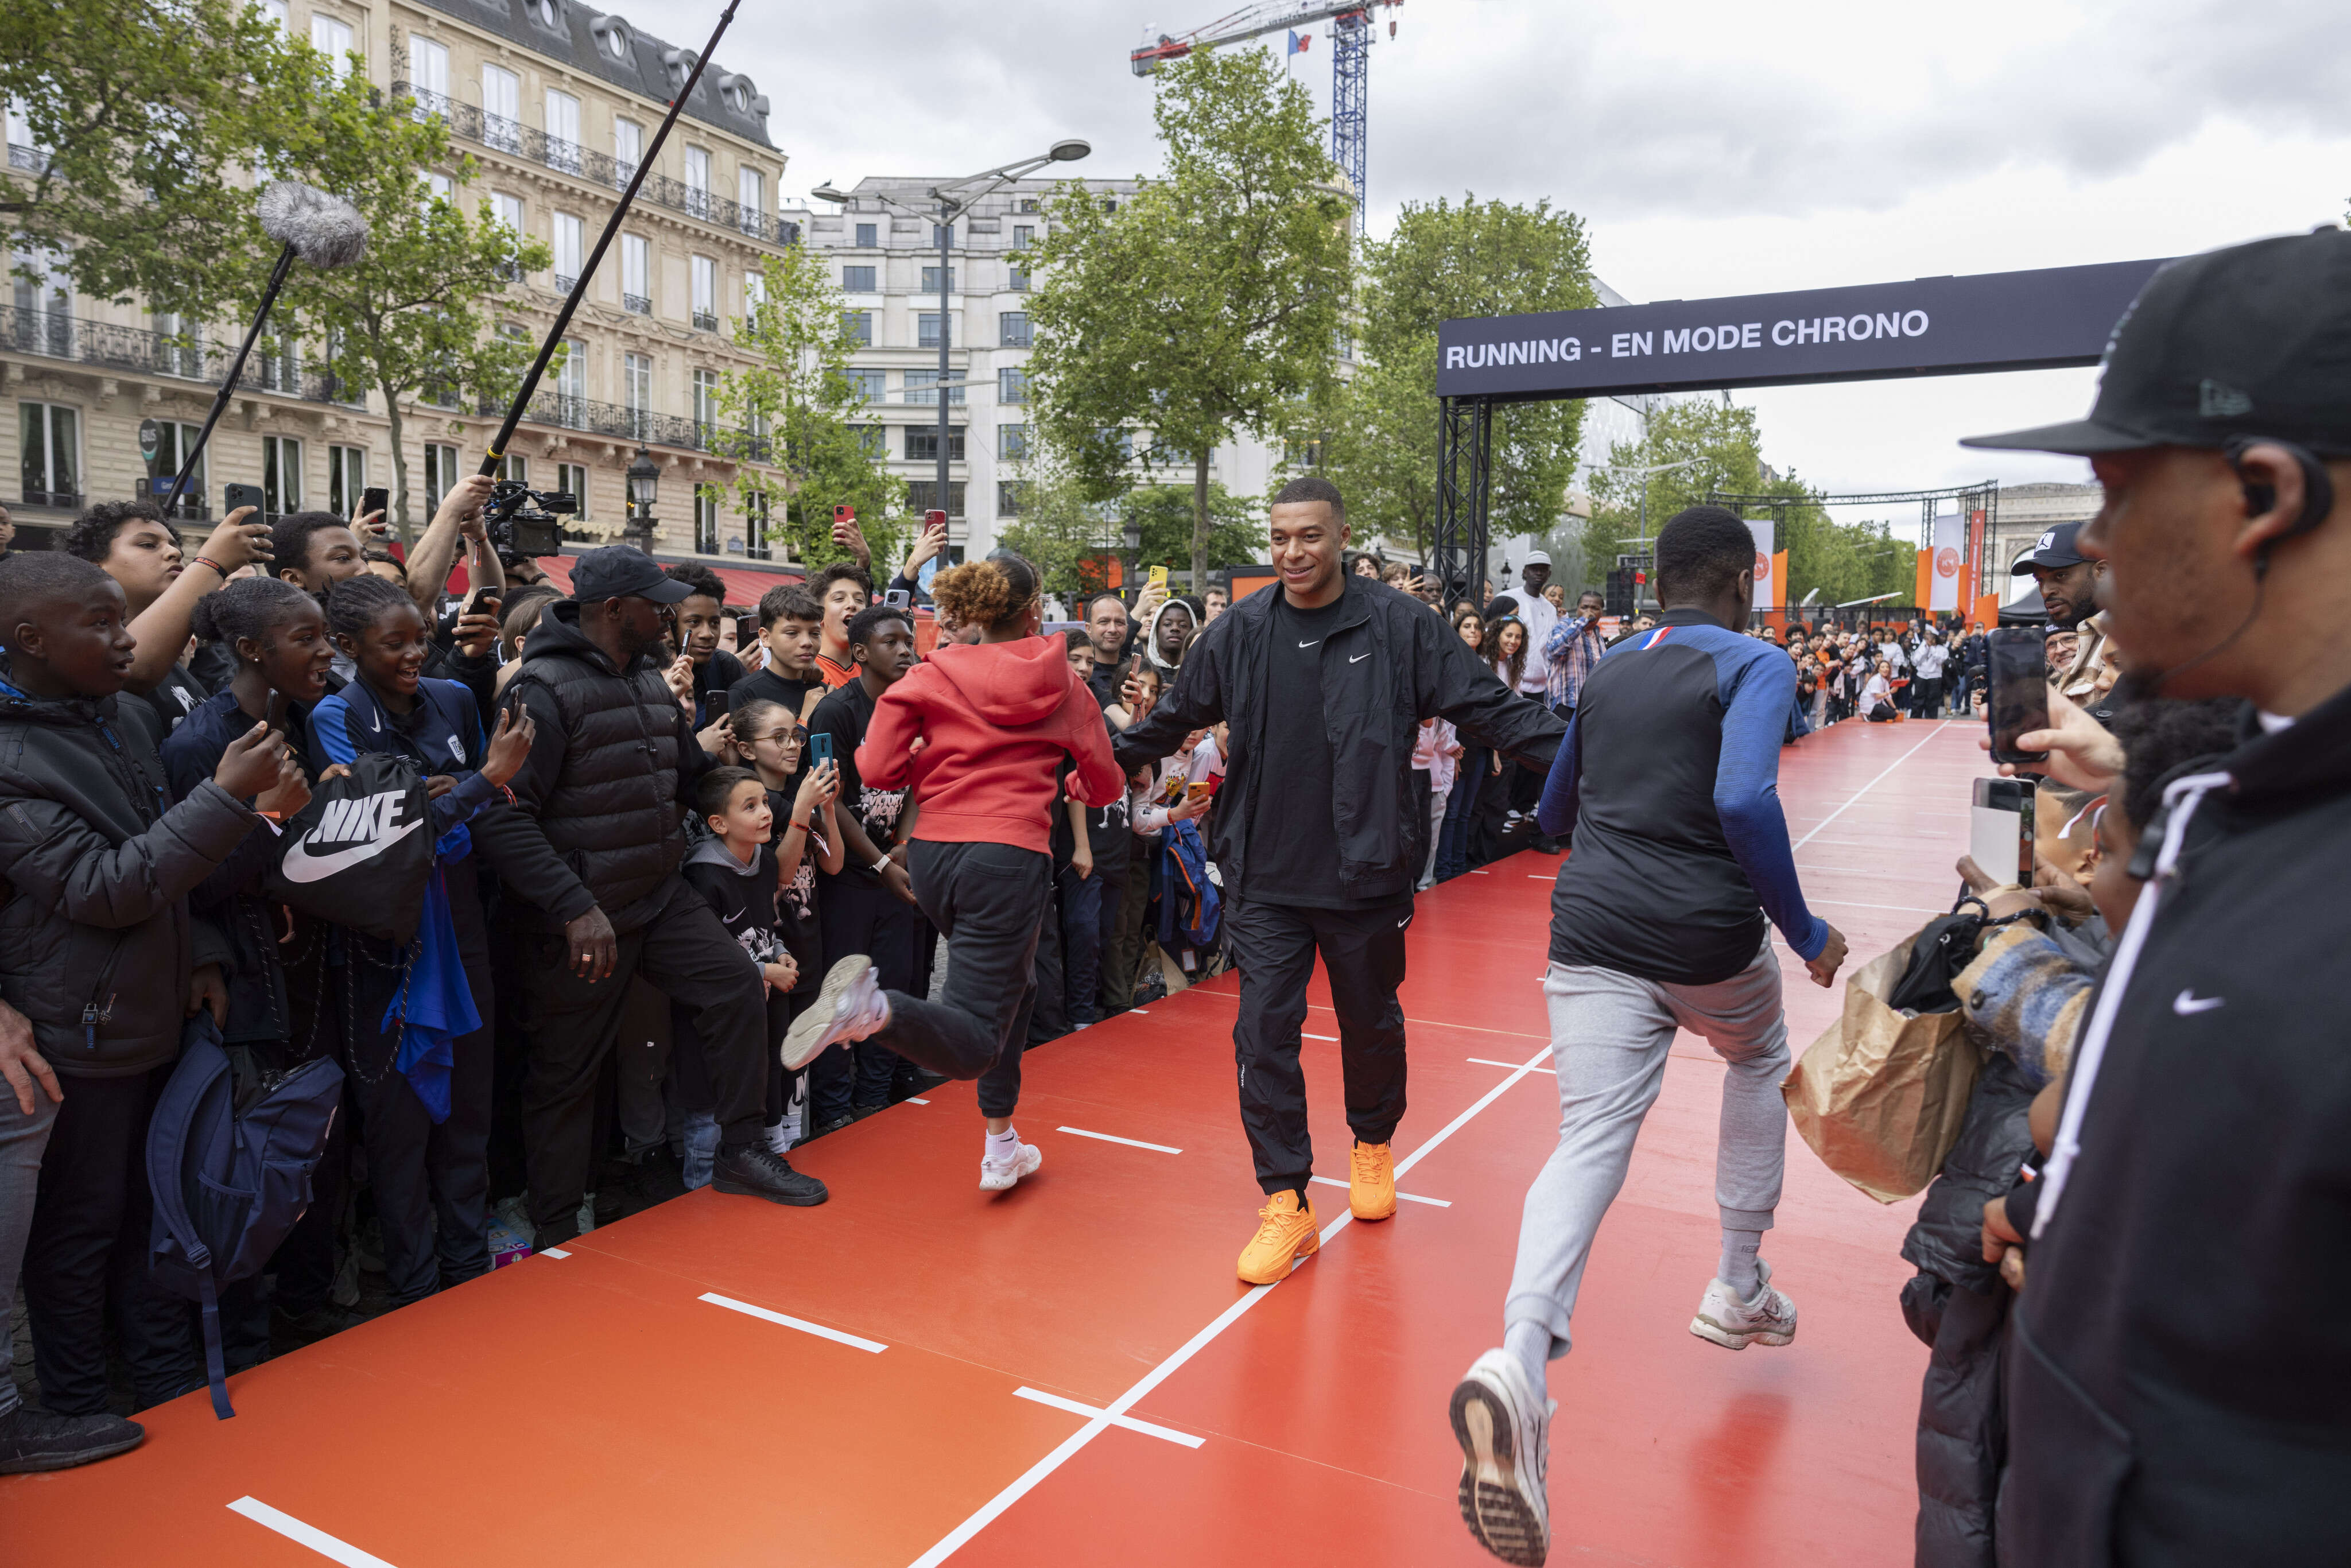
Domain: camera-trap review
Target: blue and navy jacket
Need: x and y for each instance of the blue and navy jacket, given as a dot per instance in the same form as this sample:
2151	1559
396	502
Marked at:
442	732
1670	781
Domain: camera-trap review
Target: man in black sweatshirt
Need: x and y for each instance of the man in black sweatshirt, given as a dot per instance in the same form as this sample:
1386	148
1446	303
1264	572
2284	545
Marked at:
2180	1384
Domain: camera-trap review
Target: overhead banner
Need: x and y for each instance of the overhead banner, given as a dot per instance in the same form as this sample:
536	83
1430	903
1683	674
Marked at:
1767	592
1944	585
2048	317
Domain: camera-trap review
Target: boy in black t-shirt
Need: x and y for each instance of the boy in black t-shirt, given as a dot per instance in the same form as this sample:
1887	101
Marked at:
1085	886
792	627
738	873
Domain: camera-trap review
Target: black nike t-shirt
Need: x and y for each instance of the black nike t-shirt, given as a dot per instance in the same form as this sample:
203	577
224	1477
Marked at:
766	685
1293	847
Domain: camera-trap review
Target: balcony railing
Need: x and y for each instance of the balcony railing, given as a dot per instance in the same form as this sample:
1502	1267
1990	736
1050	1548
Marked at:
102	345
636	304
518	139
32	159
565	411
705	321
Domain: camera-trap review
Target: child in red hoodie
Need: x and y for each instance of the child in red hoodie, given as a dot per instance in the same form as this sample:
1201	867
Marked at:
980	732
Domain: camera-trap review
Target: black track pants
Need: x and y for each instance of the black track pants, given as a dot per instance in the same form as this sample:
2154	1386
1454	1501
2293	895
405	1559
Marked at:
1273	946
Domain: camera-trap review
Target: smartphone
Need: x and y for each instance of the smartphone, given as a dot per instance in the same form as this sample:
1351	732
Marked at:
481	597
1200	789
935	521
896	599
714	706
844	513
2018	701
2000	827
373	499
819	747
1159	577
235	496
747	631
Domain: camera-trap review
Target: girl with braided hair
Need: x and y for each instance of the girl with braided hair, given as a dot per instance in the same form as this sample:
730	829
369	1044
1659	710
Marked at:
425	1124
980	731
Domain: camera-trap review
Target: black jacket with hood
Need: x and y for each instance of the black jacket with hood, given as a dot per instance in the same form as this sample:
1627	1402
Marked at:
96	866
1402	664
597	818
2179	1384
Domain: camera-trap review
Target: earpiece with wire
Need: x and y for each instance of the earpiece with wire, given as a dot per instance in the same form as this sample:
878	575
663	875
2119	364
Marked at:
2317	491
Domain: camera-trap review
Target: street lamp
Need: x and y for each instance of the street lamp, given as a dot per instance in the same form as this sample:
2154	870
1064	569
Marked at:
645	487
956	197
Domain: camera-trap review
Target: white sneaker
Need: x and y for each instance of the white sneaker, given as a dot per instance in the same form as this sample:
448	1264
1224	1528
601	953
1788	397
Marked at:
996	1175
1504	1430
850	1005
1765	1318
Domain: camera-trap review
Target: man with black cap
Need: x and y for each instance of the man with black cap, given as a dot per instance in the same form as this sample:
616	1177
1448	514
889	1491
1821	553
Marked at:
2070	583
2179	1386
588	852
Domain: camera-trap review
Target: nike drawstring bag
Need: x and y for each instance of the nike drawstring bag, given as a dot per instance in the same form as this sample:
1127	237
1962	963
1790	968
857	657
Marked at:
360	852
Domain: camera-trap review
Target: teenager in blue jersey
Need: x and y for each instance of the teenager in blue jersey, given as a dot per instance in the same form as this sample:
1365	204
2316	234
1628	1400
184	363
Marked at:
1668	783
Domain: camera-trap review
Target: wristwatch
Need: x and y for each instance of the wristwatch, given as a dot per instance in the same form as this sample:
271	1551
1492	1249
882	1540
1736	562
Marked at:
879	863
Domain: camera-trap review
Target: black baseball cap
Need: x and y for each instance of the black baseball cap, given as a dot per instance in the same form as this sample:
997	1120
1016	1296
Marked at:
2253	340
621	571
2054	549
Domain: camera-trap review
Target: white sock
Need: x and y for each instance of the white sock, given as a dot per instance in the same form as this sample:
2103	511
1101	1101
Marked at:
1737	1269
1003	1145
1530	1343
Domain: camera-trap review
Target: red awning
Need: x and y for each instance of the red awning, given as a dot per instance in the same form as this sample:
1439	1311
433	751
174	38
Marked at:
743	587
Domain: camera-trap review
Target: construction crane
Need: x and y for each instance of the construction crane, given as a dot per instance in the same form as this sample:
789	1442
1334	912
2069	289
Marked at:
1351	61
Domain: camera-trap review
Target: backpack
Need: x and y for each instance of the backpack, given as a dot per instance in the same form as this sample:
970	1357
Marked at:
1190	906
229	1158
360	852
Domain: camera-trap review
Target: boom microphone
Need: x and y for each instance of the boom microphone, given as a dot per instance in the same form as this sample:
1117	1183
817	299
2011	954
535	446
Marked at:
321	231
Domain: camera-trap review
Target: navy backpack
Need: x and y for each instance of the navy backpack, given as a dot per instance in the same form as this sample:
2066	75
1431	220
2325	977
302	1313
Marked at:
229	1158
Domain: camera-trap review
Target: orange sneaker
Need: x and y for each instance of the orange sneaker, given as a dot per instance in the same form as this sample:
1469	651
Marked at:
1288	1234
1371	1181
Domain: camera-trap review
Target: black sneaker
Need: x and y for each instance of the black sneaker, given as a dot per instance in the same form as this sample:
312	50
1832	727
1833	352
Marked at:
36	1440
755	1170
292	1331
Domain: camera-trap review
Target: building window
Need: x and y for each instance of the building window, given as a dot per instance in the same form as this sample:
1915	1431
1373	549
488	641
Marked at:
930	281
705	519
52	447
543	11
943	235
572	478
570	247
857	279
346	479
562	132
705	403
1012	330
752	196
571	383
923	495
1028	204
173	443
332	39
508	211
697	182
428	72
636	274
868	385
627	144
501	109
1023	236
922	387
874	440
859	325
1015	277
754	291
440	474
1009	497
923	443
1012	384
637	389
705	294
277	11
514	466
926	330
1011	442
281	475
868	236
755	526
439	187
180	345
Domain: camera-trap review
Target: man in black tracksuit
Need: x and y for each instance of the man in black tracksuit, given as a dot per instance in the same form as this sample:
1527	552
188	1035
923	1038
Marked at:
2180	1381
589	851
1319	834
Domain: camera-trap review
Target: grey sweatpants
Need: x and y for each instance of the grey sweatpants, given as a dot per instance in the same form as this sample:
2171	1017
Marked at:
1609	1035
22	1140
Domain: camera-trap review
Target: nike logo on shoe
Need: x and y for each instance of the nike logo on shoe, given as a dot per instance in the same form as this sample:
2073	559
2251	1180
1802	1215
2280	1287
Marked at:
2188	1004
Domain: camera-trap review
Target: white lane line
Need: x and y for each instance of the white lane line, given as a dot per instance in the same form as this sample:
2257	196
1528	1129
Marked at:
308	1535
913	1099
1489	1062
872	1347
553	1252
1089	1411
1873	784
990	1510
1407	1197
1475	872
1331	1037
1140	1012
1539	876
1107	1138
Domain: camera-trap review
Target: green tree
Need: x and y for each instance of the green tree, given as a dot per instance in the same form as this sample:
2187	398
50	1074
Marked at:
413	319
1063	532
1210	302
794	409
1379	429
146	116
1166	516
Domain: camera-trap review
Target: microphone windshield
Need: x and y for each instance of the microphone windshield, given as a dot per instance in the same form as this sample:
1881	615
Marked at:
325	231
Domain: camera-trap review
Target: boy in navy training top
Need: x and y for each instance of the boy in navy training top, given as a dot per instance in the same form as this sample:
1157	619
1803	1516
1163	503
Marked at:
1668	781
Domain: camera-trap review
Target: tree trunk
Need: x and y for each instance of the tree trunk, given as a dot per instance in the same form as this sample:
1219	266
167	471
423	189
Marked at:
399	469
1200	520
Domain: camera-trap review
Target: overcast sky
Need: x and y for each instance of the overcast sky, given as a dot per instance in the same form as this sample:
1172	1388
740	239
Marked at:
1713	148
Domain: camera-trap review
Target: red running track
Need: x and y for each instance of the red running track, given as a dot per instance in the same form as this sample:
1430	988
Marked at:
601	1408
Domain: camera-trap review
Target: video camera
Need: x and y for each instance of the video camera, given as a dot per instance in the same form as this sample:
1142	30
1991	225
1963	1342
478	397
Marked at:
522	521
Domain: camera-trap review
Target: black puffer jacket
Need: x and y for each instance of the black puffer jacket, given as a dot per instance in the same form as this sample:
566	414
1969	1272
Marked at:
596	822
95	940
1402	664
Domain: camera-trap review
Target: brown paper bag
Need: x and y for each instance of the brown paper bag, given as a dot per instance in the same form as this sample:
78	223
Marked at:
1880	1097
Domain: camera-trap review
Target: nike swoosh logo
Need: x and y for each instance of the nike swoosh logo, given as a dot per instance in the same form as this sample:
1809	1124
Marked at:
1359	658
1309	644
731	919
2186	1004
301	865
1404	922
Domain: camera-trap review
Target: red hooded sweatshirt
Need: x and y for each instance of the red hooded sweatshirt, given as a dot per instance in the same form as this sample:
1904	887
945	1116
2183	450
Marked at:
996	719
